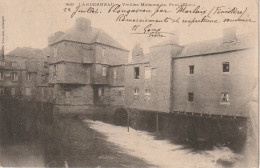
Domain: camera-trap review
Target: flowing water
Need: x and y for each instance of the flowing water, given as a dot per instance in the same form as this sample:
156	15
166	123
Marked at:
44	146
163	153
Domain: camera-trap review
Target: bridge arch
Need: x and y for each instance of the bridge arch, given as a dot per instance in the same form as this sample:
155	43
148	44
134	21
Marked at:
120	117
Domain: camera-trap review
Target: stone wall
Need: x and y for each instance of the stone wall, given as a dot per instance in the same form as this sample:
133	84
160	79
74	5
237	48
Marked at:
209	81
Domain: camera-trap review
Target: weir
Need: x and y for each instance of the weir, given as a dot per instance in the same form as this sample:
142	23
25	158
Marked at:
195	129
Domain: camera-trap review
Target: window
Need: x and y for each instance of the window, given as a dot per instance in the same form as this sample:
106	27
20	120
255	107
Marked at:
154	72
12	91
2	63
50	92
29	76
136	91
1	90
104	71
136	75
1	75
67	93
114	75
101	92
226	67
225	97
190	97
147	92
14	76
103	52
28	91
14	64
45	64
55	51
147	72
120	93
42	91
55	69
191	69
44	78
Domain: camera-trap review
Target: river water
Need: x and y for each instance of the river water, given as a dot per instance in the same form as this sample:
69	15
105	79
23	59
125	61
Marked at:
164	153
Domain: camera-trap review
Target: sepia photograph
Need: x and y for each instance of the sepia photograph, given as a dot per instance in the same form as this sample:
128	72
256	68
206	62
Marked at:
129	83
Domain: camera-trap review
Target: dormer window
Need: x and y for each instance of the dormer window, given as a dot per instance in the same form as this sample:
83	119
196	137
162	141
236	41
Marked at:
137	51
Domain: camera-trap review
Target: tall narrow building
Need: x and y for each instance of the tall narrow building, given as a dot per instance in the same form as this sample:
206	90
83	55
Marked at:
85	67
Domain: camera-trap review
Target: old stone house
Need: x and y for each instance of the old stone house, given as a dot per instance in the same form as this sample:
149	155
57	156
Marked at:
86	68
215	77
20	74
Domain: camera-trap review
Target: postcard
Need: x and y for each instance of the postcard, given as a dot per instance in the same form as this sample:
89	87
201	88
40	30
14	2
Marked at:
129	83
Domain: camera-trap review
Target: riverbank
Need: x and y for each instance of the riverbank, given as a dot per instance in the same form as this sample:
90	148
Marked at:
69	141
81	146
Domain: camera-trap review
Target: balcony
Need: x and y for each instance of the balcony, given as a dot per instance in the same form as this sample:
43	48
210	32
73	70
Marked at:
69	73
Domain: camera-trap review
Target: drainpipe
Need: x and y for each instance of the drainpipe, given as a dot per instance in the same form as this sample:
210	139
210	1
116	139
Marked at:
3	37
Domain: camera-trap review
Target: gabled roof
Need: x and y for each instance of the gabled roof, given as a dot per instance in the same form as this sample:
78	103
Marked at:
140	59
214	46
91	36
24	52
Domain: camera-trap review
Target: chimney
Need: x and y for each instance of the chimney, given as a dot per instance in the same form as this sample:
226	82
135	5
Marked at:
58	34
83	24
50	40
54	37
229	35
137	51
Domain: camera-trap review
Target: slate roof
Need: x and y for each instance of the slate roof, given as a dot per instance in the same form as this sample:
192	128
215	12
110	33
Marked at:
89	37
140	59
24	52
213	47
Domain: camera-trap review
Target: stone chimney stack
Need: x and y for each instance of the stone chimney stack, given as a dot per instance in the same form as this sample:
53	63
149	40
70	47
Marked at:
50	40
83	24
54	37
229	35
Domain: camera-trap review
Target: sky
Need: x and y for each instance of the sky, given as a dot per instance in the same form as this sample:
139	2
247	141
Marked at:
29	23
